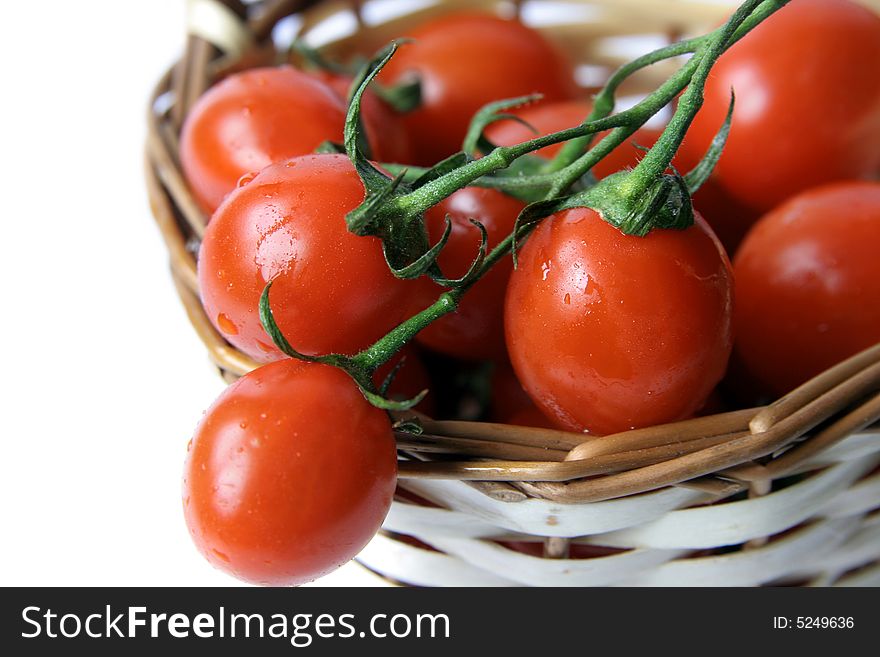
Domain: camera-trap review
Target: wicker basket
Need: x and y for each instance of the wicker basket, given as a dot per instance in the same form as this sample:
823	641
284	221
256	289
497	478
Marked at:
785	494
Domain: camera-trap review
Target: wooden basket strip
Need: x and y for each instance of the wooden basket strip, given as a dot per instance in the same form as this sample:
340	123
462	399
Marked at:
183	263
733	523
664	434
491	432
544	518
547	470
420	567
753	567
859	549
863	497
168	168
427	443
861	417
864	577
815	388
537	571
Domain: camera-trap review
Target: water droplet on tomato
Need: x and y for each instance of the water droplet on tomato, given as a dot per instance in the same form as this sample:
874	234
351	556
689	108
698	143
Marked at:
220	555
246	178
225	325
243	425
265	347
567	299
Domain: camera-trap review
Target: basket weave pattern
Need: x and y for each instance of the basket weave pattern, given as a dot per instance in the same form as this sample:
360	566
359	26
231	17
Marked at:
787	493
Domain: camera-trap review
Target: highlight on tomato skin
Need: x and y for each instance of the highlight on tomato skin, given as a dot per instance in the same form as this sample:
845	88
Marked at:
464	61
289	474
808	285
332	290
250	120
609	332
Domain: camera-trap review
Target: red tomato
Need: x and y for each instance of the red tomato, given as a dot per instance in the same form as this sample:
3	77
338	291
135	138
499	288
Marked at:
290	473
384	126
333	291
609	332
729	219
808	284
465	61
250	120
476	329
808	102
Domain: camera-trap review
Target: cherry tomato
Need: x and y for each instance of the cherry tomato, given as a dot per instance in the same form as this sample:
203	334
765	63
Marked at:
384	126
609	332
808	284
476	329
333	291
290	473
808	110
465	61
729	219
250	120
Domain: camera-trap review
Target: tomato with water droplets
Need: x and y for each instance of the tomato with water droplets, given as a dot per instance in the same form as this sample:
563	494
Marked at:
290	473
609	332
250	120
332	290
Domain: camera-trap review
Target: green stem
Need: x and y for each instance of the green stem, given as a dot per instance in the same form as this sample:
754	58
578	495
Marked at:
658	159
604	101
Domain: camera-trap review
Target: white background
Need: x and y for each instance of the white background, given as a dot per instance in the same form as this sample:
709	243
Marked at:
104	380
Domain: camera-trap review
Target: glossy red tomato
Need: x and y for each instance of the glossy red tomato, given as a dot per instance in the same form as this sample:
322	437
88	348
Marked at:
250	120
384	127
808	284
476	329
465	61
290	473
729	219
808	102
333	291
609	332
